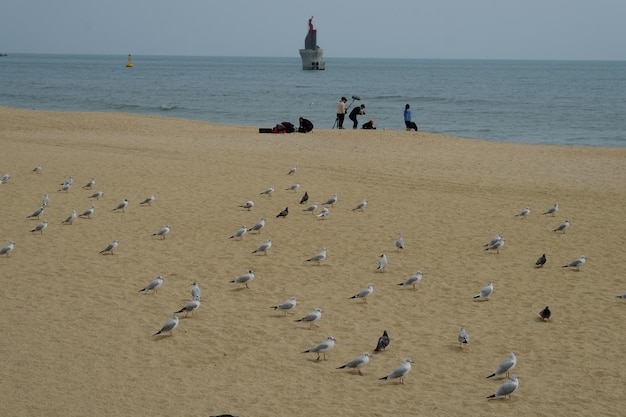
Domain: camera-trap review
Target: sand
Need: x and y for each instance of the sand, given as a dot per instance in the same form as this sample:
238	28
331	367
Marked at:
77	335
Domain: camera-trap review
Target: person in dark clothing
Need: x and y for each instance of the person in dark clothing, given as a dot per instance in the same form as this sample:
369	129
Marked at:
341	112
407	119
305	125
369	125
354	113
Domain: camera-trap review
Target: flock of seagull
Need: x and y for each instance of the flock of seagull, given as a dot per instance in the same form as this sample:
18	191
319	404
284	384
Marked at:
508	387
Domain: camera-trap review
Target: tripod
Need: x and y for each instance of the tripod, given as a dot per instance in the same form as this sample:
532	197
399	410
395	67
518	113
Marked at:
347	108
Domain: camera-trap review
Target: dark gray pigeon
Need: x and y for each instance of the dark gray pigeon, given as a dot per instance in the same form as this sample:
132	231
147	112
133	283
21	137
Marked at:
383	342
304	198
545	314
541	261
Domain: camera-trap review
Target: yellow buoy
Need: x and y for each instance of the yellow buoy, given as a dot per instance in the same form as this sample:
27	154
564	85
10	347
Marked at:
129	62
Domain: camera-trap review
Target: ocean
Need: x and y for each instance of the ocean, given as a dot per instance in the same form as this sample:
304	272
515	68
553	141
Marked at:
580	103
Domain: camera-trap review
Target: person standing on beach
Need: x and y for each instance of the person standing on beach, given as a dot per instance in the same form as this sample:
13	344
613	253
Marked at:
341	112
407	119
354	113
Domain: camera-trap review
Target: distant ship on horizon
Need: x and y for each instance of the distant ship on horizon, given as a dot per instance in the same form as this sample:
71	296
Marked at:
312	55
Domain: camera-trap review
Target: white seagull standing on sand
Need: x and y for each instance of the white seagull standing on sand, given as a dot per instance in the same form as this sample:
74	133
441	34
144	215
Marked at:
196	292
70	219
37	213
37	169
524	212
562	226
4	178
239	233
97	195
268	191
552	210
323	213
7	249
400	372
507	388
311	208
323	347
109	248
331	200
90	184
40	227
463	337
319	257
190	307
485	291
162	232
87	213
400	241
311	318
293	187
148	200
245	278
122	205
65	187
505	366
576	263
247	205
264	247
357	363
169	326
258	226
286	305
364	293
382	263
360	206
412	280
497	244
46	200
153	285
292	170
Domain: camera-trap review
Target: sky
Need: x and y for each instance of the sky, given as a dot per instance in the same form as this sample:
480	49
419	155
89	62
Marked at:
440	29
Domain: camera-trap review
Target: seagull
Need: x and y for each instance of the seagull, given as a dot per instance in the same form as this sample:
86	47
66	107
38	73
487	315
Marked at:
552	209
293	187
46	200
507	388
360	206
148	200
505	366
70	219
90	184
576	263
247	205
562	227
4	178
331	200
623	296
493	241
323	213
364	293
65	187
37	169
382	263
485	291
162	231
525	212
190	307
400	241
292	170
311	208
153	285
122	205
169	326
497	244
357	363
312	317
283	213
245	278
97	195
400	372
37	213
383	342
463	337
69	180
258	225
545	314
323	347
412	280
196	292
87	213
286	305
40	227
269	191
109	248
319	257
264	247
7	249
304	198
240	232
541	261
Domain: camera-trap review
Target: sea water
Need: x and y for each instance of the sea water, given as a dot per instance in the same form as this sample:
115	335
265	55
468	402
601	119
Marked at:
548	102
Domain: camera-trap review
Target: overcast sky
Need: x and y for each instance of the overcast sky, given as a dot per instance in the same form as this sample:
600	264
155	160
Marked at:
463	29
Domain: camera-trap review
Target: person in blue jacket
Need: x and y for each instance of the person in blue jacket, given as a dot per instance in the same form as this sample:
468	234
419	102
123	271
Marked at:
407	119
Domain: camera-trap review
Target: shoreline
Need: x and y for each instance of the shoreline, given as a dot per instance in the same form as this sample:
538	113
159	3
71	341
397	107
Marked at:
78	333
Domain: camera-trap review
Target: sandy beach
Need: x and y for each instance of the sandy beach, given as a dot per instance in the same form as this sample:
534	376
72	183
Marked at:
77	334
